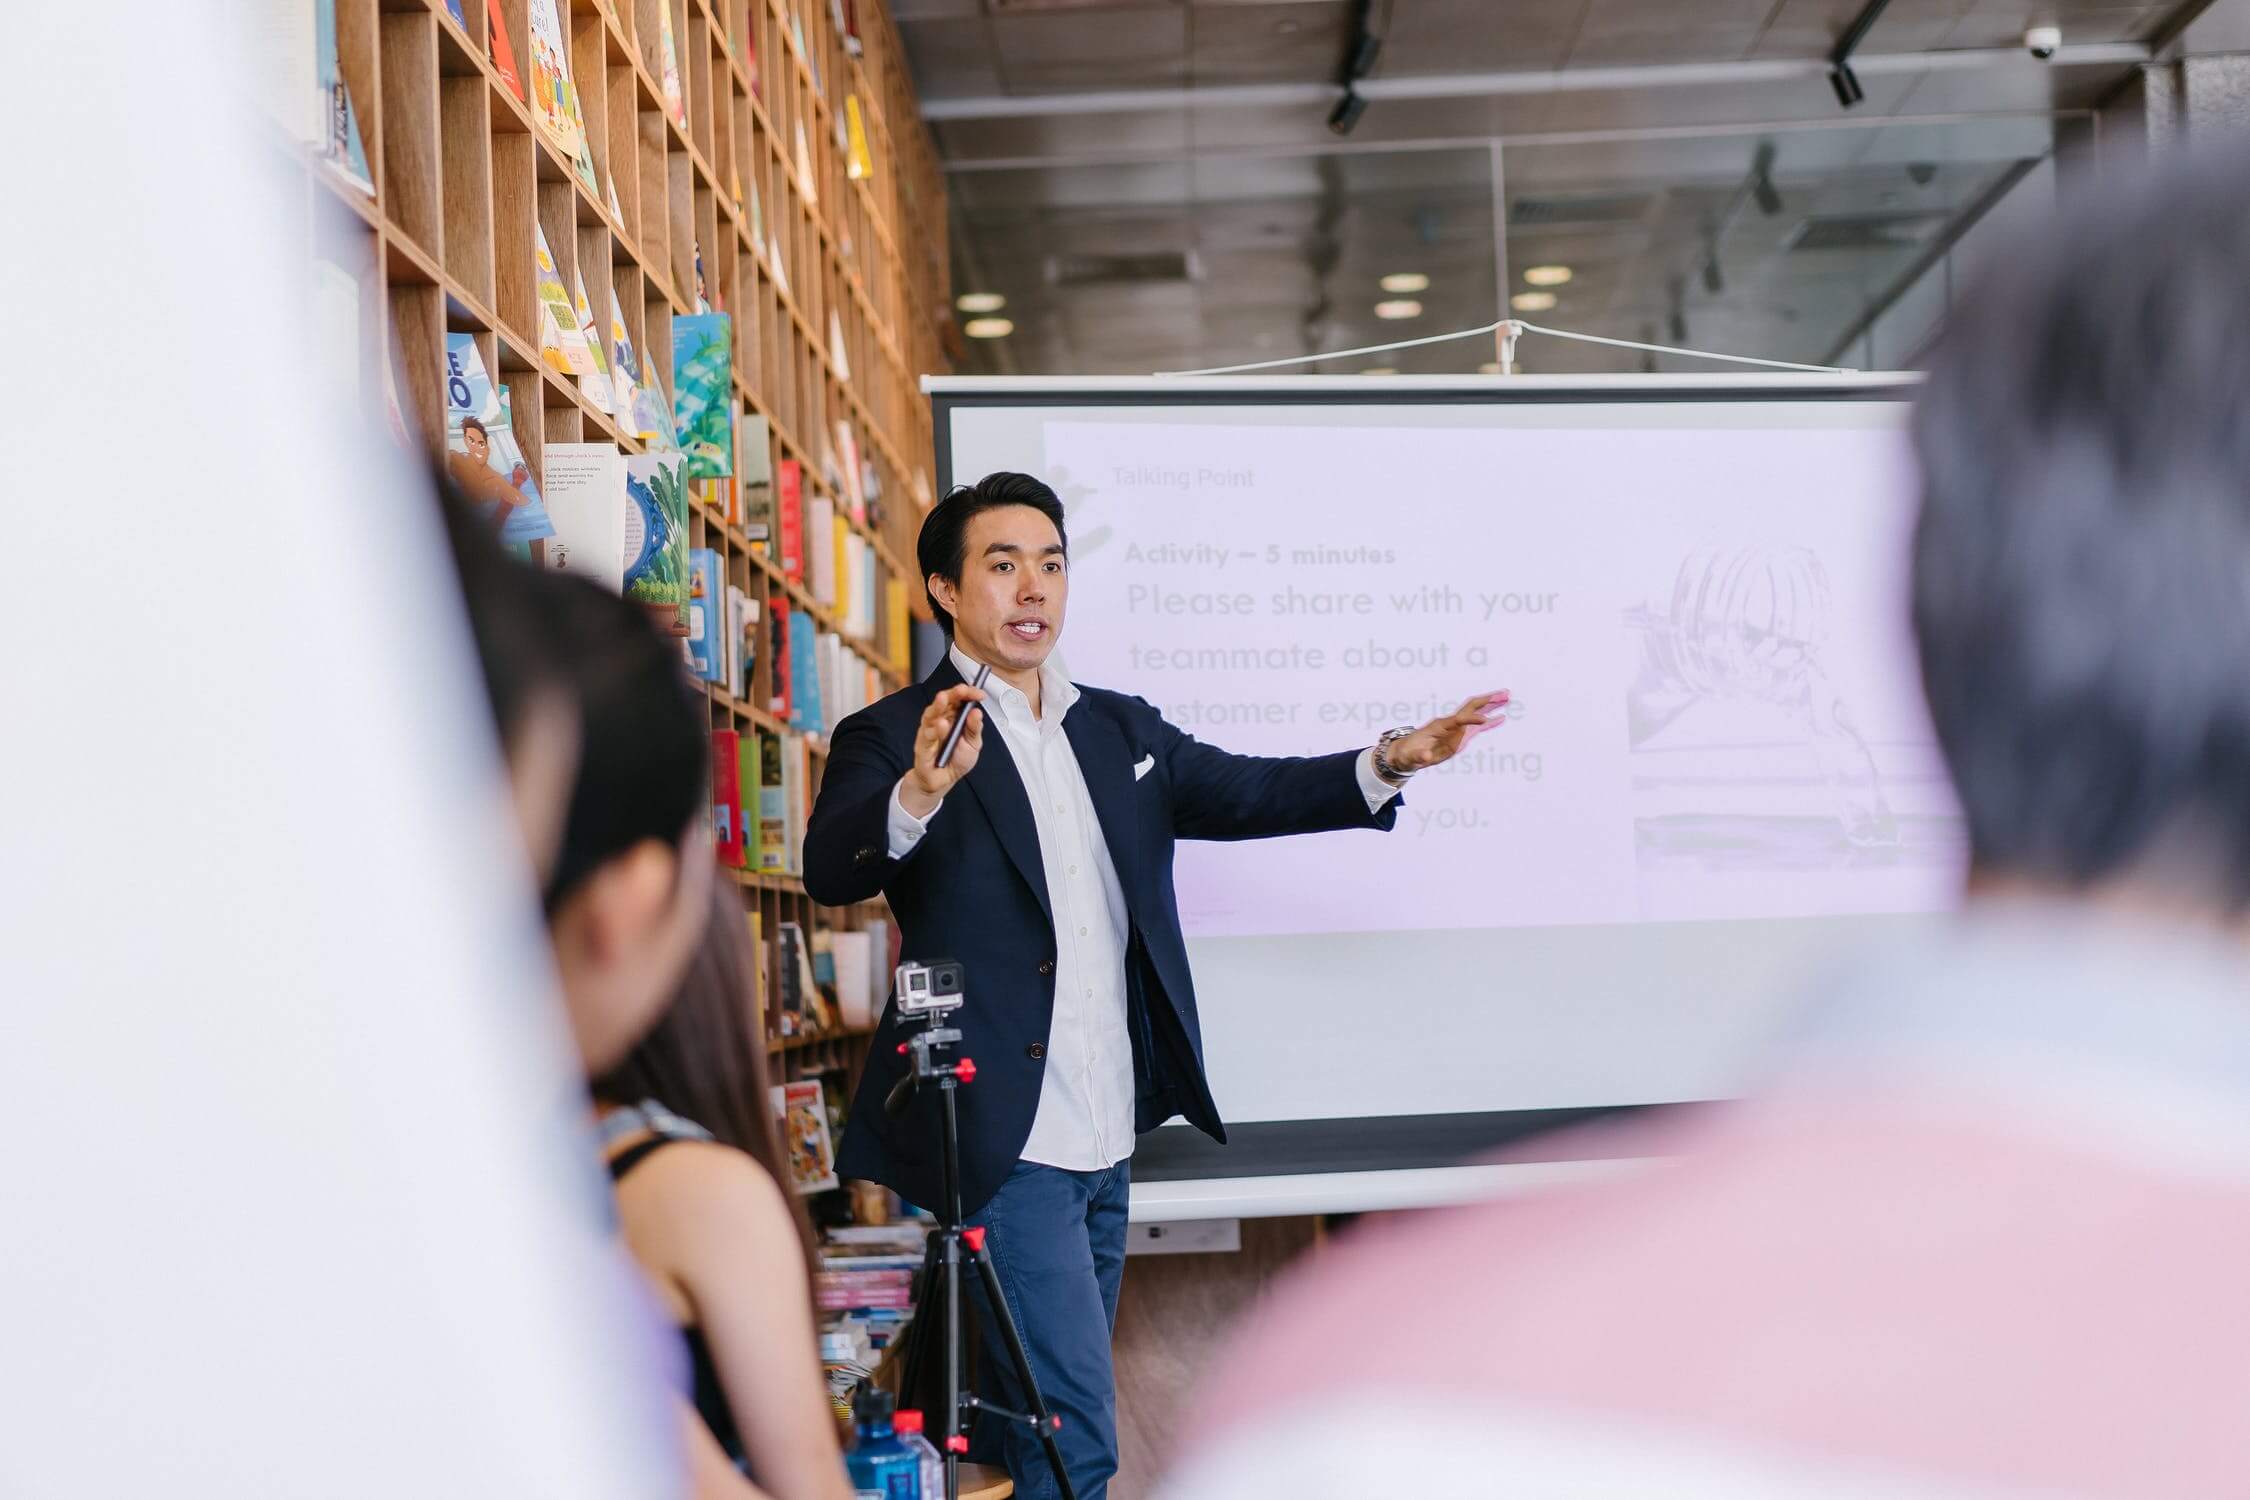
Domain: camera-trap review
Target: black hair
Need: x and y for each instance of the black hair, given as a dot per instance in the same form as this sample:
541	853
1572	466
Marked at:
943	547
2082	558
511	617
644	756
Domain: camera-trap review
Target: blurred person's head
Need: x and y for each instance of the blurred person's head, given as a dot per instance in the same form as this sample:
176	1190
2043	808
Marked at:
627	900
996	564
705	1060
2082	562
515	621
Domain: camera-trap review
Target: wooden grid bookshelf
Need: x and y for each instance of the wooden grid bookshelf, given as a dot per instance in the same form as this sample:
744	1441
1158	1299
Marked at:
463	179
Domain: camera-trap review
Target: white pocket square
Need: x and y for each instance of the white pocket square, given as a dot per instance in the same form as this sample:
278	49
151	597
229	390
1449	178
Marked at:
1148	764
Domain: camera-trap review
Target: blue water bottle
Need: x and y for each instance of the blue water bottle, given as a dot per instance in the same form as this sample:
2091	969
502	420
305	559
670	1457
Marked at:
882	1467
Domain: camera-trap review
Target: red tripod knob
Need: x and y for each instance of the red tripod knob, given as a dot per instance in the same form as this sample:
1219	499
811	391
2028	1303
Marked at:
965	1070
956	1445
975	1237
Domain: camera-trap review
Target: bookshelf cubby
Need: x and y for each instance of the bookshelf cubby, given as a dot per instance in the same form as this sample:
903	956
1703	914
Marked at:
835	280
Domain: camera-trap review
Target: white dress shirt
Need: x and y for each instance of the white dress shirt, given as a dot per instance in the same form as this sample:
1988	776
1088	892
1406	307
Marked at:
1084	1121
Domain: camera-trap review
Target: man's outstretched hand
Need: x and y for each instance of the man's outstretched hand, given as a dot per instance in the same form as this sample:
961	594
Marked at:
1440	740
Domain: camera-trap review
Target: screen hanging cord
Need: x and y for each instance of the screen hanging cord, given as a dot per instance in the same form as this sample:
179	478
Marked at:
1509	329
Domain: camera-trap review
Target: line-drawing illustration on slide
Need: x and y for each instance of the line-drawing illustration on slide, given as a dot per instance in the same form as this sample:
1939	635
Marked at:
1747	754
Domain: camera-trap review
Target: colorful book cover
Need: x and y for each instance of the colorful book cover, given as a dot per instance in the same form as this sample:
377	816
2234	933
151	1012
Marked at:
652	414
675	103
820	548
702	372
773	809
753	468
852	43
773	258
585	496
614	211
777	657
789	505
749	774
704	608
860	163
804	675
656	537
482	457
562	342
624	363
554	101
342	146
597	385
503	51
453	7
726	796
847	449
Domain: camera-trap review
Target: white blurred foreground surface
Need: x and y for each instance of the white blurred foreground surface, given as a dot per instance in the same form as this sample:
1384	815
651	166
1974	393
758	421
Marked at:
293	1209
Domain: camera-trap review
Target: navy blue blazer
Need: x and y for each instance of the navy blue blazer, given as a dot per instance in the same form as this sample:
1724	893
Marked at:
974	889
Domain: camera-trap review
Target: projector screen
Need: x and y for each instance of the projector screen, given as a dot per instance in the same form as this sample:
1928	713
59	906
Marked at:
1716	775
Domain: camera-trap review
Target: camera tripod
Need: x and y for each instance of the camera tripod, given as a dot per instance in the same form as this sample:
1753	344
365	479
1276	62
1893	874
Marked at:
952	1243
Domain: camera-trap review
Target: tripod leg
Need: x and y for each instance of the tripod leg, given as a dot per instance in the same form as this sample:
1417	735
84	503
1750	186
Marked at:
996	1300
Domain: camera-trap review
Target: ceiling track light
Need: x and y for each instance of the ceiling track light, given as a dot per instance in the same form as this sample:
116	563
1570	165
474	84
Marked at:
1346	114
1841	78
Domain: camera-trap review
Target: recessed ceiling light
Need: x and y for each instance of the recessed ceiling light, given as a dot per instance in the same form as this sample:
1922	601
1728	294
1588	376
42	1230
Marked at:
1532	301
1406	281
1489	367
1379	370
1547	275
980	302
988	328
1403	307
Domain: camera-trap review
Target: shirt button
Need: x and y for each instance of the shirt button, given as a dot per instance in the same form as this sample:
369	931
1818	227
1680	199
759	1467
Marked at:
1036	1051
1081	932
1047	967
1074	869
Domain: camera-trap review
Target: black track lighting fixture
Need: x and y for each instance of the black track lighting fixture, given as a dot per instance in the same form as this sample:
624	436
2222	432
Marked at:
1841	78
1348	109
1762	190
1361	50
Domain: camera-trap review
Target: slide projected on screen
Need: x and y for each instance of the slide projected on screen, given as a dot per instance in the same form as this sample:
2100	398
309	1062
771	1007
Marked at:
1716	767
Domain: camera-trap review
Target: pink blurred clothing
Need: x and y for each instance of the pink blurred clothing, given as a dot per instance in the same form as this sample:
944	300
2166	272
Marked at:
1985	1233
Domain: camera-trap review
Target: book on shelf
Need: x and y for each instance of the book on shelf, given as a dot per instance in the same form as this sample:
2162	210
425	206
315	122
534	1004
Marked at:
562	338
587	503
342	147
753	465
777	655
748	770
871	487
796	786
453	9
675	102
554	100
615	212
847	457
482	457
852	43
804	675
793	973
596	385
773	808
624	367
656	538
503	51
895	599
820	548
789	508
804	168
703	613
726	797
801	1111
860	162
702	392
837	351
847	569
741	640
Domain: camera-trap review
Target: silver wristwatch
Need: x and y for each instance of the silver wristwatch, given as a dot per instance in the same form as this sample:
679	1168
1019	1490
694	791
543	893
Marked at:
1383	766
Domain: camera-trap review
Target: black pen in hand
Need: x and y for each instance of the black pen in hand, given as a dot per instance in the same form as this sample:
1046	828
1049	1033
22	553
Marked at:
961	720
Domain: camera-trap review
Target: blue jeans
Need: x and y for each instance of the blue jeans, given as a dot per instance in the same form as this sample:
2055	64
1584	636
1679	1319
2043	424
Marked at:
1057	1240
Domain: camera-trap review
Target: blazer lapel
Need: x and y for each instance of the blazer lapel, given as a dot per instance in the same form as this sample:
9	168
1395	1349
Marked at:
998	788
1104	761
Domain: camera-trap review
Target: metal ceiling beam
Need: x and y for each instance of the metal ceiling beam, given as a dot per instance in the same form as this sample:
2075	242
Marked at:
1496	85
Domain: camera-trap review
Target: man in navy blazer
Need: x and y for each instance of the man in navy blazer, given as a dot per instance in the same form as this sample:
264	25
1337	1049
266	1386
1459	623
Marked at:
1040	856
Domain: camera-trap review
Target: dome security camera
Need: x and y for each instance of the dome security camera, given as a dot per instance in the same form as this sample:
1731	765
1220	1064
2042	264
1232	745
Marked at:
2043	42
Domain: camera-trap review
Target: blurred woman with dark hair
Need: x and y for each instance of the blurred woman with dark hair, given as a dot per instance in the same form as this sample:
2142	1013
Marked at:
708	1213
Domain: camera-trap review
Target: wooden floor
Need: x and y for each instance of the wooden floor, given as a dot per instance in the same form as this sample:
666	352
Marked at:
1174	1315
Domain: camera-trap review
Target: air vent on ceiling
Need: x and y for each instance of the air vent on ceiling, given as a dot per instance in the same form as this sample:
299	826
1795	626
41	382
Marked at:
1900	230
1093	269
1596	208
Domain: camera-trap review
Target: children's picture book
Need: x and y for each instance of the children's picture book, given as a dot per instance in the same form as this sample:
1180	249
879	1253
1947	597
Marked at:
585	495
860	162
804	167
837	350
656	537
503	51
726	797
702	374
773	809
704	611
595	384
554	100
342	147
675	103
482	457
754	473
453	7
624	363
652	414
562	341
789	507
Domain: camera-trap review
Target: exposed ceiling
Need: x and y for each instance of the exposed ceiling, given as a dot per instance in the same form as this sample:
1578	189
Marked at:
1152	184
